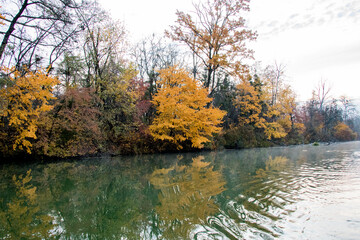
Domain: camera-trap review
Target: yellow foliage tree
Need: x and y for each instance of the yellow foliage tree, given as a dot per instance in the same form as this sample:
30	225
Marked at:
182	112
254	102
24	98
344	133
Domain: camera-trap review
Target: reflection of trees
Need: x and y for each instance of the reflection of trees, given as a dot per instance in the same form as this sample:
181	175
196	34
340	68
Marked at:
258	196
186	196
21	219
276	164
95	202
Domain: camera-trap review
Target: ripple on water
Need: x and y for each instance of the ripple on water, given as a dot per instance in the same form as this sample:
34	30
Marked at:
315	200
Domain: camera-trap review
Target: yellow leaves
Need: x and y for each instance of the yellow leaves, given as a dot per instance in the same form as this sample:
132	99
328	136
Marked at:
344	133
2	18
181	110
25	97
255	107
249	103
274	130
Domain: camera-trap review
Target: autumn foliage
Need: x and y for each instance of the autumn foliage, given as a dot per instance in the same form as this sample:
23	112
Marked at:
182	112
24	98
71	128
107	99
344	133
217	35
253	100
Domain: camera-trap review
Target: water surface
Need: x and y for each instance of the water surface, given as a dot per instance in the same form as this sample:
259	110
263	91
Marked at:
298	192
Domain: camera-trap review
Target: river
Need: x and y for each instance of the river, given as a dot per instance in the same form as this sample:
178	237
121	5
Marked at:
296	192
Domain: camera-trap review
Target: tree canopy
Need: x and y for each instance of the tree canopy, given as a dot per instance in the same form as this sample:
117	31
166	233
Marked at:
182	112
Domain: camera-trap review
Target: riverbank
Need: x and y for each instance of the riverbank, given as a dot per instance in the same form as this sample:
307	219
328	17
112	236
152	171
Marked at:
24	158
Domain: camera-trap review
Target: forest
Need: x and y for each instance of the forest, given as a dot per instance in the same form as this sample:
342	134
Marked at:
72	85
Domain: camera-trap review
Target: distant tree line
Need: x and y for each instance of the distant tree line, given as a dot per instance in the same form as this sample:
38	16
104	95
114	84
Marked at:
71	85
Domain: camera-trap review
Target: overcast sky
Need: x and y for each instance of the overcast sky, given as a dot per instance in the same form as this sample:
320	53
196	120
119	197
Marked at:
315	39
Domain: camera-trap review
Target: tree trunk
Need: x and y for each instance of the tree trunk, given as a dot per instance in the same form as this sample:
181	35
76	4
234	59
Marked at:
12	27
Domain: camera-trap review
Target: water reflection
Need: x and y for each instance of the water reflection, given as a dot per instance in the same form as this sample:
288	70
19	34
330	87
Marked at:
96	201
21	218
279	193
186	196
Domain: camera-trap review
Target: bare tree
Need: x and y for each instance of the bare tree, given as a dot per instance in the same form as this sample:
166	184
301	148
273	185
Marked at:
153	54
36	30
348	108
322	93
103	46
275	73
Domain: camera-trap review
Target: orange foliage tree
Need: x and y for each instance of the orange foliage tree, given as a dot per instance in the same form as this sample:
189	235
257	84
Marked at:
217	35
182	112
23	98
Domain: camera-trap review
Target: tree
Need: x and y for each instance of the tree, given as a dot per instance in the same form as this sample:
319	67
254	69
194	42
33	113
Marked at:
118	105
182	112
348	108
71	128
38	29
103	45
216	35
274	75
153	54
257	107
321	93
344	133
71	71
25	97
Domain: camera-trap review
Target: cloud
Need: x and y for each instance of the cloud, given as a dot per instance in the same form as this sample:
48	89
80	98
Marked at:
312	14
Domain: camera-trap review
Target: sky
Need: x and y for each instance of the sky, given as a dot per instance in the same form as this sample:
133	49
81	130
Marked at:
315	39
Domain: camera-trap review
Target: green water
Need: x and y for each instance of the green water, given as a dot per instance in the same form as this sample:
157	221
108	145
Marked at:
299	192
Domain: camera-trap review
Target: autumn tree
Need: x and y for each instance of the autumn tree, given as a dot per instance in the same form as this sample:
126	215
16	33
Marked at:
321	115
344	133
25	96
260	108
256	111
217	35
72	127
182	112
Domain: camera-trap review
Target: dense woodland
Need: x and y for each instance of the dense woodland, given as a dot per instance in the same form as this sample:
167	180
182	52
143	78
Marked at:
71	85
